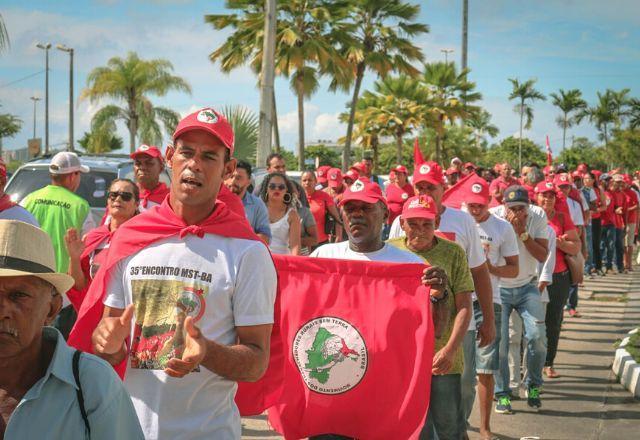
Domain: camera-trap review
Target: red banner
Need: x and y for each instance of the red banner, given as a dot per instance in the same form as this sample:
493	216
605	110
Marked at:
358	344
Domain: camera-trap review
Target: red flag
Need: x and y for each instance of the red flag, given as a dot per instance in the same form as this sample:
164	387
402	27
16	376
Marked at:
358	345
417	154
549	158
455	196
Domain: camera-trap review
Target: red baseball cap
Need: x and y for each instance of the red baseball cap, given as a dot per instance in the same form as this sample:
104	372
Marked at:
544	187
334	175
562	179
596	173
627	179
400	169
351	174
209	120
428	172
478	192
321	173
358	167
582	168
451	170
149	150
577	174
420	207
363	191
470	165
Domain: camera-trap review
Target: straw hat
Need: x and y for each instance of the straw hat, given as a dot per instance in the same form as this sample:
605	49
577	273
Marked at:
27	251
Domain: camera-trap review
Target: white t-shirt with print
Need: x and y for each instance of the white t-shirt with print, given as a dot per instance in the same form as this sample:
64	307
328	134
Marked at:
499	236
545	270
528	265
388	253
575	211
221	282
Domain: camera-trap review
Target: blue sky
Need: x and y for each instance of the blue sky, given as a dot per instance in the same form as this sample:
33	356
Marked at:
586	44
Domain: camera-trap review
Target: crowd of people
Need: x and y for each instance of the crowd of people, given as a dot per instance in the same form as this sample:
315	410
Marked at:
506	254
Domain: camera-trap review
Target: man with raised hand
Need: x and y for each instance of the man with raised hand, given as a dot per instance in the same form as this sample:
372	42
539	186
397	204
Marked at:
184	305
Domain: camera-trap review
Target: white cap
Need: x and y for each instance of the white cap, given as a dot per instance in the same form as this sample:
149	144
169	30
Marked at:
66	162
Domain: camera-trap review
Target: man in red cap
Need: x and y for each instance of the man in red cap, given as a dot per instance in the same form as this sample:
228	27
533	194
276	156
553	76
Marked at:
336	185
500	244
460	227
470	167
504	181
419	222
453	175
180	285
350	176
398	192
322	175
147	166
9	210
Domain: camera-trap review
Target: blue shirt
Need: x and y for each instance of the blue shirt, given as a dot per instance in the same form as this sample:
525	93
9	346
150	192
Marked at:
256	212
50	408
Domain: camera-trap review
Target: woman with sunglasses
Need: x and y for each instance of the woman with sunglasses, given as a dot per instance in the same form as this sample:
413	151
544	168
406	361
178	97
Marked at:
567	243
86	255
277	193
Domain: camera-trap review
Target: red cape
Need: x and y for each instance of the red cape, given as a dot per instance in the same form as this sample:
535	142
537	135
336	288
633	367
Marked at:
156	195
155	224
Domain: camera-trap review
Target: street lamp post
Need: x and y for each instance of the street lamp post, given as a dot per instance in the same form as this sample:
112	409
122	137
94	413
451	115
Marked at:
46	47
35	100
70	52
446	53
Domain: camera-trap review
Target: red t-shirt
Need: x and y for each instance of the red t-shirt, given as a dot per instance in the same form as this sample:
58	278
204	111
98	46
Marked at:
531	191
619	201
503	184
607	214
561	223
319	201
596	214
632	200
396	197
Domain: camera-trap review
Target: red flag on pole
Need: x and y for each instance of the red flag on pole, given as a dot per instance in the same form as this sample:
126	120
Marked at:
358	344
549	158
417	154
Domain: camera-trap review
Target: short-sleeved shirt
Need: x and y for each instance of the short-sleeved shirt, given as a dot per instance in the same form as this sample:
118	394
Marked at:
607	214
502	184
319	203
257	214
561	224
632	200
451	257
500	240
19	213
58	209
619	201
388	253
221	282
396	197
527	264
50	408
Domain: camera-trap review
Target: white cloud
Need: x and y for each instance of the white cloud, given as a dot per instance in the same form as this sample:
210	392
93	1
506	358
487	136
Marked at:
327	126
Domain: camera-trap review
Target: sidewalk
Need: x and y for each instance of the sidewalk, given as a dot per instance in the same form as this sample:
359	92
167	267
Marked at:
585	402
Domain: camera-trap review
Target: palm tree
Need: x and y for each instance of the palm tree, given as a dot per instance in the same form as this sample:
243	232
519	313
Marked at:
366	132
601	115
4	36
450	94
480	122
634	113
10	125
245	129
101	141
525	94
568	102
619	104
131	80
380	39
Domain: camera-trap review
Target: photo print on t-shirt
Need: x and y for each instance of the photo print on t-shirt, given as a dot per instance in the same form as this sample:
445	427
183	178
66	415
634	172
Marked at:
161	308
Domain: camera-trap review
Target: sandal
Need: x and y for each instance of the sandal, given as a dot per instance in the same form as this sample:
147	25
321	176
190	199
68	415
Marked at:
550	373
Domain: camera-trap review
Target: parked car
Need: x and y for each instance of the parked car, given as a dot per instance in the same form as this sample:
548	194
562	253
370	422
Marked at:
34	175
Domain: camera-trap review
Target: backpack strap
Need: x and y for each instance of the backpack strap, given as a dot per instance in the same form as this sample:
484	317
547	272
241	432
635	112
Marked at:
76	375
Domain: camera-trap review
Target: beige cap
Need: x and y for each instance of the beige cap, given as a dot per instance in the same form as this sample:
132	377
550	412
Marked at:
26	250
66	162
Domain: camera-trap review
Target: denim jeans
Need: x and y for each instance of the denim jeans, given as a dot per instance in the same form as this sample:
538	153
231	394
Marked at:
443	419
526	301
607	245
477	361
572	302
588	265
619	244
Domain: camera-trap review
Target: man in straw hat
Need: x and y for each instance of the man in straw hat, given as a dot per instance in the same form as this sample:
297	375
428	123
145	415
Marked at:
47	389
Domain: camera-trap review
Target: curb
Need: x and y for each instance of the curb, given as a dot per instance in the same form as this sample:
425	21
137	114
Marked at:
626	369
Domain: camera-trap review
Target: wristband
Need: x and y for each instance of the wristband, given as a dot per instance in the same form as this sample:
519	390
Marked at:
435	300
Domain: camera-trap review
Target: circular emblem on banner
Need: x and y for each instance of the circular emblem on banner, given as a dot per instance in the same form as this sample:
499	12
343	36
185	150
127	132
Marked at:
424	169
330	354
358	185
207	116
404	196
143	147
476	188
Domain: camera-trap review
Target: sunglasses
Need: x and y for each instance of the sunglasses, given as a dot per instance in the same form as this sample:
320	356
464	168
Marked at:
126	196
280	187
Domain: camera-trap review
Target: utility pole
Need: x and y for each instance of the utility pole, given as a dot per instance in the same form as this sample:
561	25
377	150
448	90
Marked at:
267	74
46	47
35	101
70	52
446	53
465	33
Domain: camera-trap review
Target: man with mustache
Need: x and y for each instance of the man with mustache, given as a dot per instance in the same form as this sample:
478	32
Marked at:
147	167
364	213
194	253
254	207
47	389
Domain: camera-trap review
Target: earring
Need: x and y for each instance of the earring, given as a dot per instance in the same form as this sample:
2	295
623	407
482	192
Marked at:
286	198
